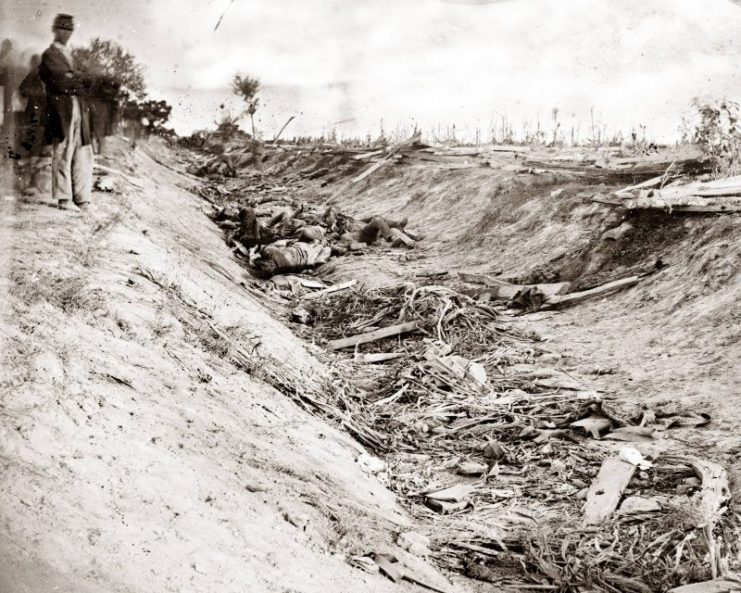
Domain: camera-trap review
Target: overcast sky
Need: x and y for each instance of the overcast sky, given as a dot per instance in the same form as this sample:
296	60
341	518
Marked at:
429	61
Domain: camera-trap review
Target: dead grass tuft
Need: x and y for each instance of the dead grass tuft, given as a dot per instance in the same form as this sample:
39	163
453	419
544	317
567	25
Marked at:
70	294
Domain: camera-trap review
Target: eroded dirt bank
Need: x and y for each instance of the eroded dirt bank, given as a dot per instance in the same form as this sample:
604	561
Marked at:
150	435
139	453
667	344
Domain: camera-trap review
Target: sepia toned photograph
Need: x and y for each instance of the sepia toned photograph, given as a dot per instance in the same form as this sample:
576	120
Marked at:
370	296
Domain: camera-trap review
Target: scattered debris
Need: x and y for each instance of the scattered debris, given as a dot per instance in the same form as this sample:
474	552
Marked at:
635	457
372	465
104	184
721	195
637	505
331	290
414	543
461	413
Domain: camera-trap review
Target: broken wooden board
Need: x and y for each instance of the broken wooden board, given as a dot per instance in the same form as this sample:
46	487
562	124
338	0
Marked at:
456	493
708	208
374	167
575	298
390	569
720	192
379	357
131	180
593	425
726	584
484	279
631	434
685	204
507	290
609	200
367	155
379	334
330	290
559	383
627	192
548	290
607	489
309	283
729	186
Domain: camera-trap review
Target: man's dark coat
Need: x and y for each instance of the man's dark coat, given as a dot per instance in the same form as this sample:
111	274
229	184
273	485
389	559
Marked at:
62	83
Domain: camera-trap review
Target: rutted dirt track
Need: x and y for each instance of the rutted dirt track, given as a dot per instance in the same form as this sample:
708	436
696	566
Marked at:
138	454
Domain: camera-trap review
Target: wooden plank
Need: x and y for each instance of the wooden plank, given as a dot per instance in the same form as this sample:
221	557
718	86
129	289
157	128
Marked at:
507	290
457	153
379	357
717	207
720	192
330	290
549	290
725	584
605	492
374	167
689	204
379	334
602	199
367	155
579	297
484	279
309	283
649	183
131	180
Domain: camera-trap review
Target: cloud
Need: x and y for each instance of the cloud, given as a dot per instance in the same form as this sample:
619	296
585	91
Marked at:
634	61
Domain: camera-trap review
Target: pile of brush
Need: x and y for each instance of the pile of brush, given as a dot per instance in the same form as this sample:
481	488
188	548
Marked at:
498	453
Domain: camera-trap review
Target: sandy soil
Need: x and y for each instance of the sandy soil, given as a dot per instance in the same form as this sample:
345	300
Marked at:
139	455
136	454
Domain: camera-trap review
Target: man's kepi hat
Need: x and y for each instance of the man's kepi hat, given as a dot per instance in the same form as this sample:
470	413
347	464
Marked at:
64	21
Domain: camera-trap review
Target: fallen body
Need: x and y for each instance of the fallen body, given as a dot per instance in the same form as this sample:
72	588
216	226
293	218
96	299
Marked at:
295	240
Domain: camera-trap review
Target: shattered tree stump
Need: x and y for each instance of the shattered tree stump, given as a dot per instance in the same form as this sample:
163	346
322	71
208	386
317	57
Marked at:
715	494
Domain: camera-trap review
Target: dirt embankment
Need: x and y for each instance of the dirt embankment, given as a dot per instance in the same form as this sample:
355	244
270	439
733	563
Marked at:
675	335
150	439
658	341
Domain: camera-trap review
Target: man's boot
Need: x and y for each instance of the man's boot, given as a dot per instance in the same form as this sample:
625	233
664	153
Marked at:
68	205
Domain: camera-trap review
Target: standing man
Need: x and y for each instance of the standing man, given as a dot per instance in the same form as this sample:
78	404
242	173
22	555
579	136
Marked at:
68	122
